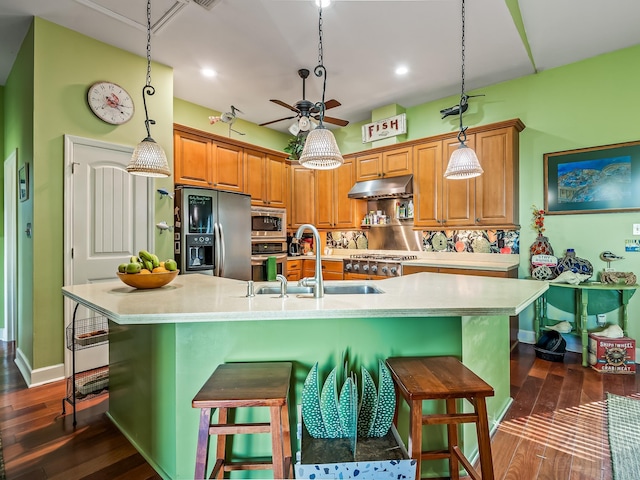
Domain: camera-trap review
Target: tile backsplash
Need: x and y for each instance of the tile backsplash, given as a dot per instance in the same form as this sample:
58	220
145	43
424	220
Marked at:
470	241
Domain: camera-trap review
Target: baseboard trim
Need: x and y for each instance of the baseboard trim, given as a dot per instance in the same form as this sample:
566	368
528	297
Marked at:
39	376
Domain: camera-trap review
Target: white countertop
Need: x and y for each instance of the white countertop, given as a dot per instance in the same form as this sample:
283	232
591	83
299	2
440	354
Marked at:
202	298
471	261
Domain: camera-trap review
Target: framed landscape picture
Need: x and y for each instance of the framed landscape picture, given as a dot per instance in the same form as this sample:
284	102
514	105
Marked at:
593	180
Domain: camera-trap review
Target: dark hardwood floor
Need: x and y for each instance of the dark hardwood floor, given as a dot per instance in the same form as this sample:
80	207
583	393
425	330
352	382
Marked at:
555	428
40	443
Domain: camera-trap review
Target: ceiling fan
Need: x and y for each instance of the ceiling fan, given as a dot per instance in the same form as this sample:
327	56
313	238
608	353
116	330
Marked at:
306	109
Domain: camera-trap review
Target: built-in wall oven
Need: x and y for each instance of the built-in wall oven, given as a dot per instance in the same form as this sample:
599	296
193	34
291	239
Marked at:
261	251
268	243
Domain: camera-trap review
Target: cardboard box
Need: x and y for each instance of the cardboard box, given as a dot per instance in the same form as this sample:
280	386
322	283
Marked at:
612	355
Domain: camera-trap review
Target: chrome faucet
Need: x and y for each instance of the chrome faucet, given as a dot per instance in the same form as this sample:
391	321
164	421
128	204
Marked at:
316	282
283	285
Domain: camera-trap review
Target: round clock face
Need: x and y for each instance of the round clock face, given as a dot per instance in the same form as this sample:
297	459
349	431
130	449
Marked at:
110	102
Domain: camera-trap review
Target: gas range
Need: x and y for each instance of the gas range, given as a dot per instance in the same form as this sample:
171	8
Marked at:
381	264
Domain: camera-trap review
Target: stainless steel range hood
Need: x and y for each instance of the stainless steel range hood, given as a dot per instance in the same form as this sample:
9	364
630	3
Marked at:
383	188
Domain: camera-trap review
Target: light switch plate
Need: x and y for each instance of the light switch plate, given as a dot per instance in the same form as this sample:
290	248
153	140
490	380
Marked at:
636	228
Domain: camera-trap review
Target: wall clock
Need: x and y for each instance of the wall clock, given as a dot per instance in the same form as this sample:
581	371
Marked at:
110	102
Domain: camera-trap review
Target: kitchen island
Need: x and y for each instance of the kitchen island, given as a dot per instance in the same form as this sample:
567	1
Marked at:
164	343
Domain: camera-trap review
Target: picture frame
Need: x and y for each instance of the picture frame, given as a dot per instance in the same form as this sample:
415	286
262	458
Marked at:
23	182
599	179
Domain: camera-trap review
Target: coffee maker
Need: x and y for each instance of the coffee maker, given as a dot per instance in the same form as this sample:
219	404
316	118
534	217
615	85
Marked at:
294	246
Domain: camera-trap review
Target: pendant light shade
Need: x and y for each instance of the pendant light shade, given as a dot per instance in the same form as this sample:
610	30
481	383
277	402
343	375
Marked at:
464	161
148	158
463	164
321	151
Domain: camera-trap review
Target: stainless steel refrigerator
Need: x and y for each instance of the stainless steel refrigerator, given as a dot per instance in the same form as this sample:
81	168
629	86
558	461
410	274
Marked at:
212	232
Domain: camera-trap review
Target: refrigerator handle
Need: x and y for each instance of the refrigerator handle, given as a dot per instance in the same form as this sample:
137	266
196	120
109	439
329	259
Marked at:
223	255
216	236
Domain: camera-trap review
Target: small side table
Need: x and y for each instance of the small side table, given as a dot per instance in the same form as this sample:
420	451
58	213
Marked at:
589	298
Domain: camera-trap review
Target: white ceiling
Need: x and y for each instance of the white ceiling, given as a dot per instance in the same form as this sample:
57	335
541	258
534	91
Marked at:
257	46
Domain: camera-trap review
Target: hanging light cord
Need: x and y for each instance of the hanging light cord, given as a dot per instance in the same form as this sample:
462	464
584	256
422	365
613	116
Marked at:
462	135
148	88
320	70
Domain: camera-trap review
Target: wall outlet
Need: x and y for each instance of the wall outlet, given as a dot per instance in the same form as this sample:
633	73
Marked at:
602	319
636	228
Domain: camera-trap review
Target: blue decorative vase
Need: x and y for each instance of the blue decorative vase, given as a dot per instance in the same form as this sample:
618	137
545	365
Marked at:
571	263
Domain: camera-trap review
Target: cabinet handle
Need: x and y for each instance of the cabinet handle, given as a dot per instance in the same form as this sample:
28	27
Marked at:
477	220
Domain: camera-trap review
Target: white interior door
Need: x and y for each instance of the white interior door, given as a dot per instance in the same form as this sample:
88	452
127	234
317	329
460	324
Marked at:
10	248
108	218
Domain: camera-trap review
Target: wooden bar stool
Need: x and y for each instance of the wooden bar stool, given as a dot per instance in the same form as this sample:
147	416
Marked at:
434	378
235	385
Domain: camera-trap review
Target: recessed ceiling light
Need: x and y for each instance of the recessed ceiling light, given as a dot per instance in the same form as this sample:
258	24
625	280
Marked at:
208	72
325	3
402	70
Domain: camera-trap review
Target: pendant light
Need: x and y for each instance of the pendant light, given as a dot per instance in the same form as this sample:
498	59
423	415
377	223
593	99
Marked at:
320	150
148	158
464	161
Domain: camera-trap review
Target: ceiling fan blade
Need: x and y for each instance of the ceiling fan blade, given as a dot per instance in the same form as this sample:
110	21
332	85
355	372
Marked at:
275	121
333	103
335	121
285	105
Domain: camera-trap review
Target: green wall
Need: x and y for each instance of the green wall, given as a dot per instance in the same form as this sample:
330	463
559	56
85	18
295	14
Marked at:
45	98
584	104
196	116
18	135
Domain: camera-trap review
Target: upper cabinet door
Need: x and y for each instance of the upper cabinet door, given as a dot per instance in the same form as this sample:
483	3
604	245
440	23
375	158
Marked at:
427	184
192	159
254	185
396	162
228	167
302	196
368	167
348	212
496	189
277	187
458	195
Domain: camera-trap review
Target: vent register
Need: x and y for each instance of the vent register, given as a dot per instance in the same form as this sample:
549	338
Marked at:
128	14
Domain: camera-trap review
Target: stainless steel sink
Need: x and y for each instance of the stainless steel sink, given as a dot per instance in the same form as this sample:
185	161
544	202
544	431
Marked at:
351	289
328	290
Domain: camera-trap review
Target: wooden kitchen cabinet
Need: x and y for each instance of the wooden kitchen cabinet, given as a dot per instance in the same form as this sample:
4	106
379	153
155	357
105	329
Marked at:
202	162
302	209
333	207
514	326
192	159
363	276
294	270
497	190
439	202
388	163
266	179
331	269
409	269
487	201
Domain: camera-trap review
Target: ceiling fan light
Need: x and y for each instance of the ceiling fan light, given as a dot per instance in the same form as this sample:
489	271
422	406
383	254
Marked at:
463	164
149	160
321	151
